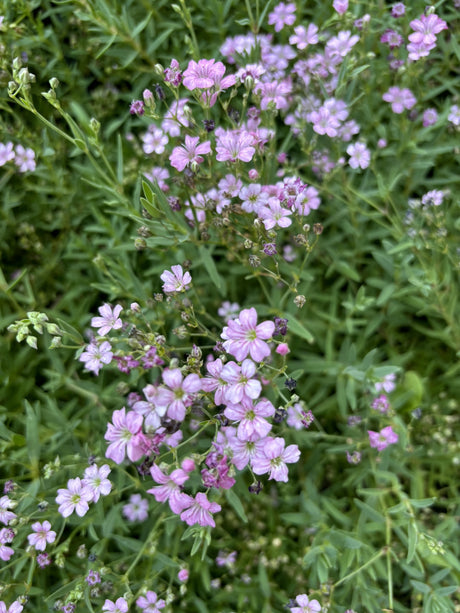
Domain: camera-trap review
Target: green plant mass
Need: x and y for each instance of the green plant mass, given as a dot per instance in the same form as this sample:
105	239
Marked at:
230	326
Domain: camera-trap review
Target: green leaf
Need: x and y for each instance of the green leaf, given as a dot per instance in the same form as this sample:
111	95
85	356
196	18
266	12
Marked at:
299	329
235	502
369	511
412	537
211	269
264	584
421	587
32	437
142	25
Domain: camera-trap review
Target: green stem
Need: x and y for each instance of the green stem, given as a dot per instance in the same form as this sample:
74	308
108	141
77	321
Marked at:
358	570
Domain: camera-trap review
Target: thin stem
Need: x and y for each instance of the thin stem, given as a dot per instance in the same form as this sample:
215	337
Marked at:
378	555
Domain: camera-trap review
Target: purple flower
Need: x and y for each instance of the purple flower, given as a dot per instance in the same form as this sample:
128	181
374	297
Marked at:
430	117
95	479
150	603
202	75
240	381
341	6
93	577
175	281
400	99
120	606
181	393
341	44
276	456
123	437
392	39
274	93
253	197
215	383
15	607
199	511
6	536
109	319
253	425
228	310
137	509
454	115
158	174
96	355
233	145
244	337
175	118
360	156
387	384
426	28
173	74
273	214
154	140
137	108
434	197
43	560
282	15
6	153
169	488
190	153
398	10
306	605
5	515
75	498
324	122
381	404
24	159
382	439
42	534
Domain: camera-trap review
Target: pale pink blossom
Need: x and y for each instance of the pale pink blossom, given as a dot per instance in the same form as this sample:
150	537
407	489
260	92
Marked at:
189	153
382	439
340	6
233	145
252	423
75	498
199	511
95	478
202	74
123	435
42	534
282	15
169	488
150	603
175	281
273	214
304	37
306	605
400	99
120	606
108	319
276	456
181	393
243	336
5	515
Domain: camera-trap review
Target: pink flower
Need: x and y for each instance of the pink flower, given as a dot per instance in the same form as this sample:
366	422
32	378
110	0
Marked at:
150	602
199	511
5	515
183	574
233	145
120	606
175	118
215	383
42	535
137	508
426	29
15	607
154	140
96	355
240	381
24	159
341	44
109	319
276	457
6	153
360	156
123	436
175	281
253	425
283	349
202	75
282	15
6	536
341	6
173	74
306	605
75	498
274	93
95	479
244	337
382	439
273	214
170	488
253	197
190	153
181	393
430	117
400	99
304	37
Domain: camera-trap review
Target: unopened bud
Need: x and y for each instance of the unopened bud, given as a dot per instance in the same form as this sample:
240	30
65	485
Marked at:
299	301
54	82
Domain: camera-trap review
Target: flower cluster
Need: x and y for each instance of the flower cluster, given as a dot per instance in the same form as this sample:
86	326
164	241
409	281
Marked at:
23	158
81	492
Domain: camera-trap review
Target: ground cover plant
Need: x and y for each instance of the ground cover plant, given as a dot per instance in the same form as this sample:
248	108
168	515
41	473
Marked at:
229	301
